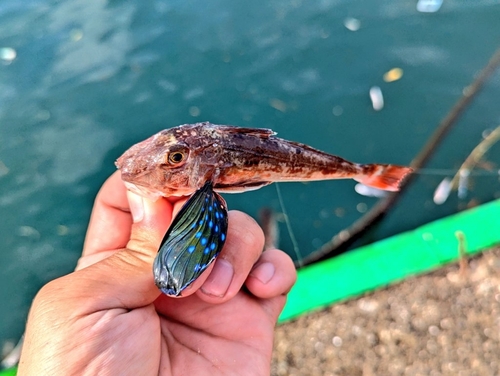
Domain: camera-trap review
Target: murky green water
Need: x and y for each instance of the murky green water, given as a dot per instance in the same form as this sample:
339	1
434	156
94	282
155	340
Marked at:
91	77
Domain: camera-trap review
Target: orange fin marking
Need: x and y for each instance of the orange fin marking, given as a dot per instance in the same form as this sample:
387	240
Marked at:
386	177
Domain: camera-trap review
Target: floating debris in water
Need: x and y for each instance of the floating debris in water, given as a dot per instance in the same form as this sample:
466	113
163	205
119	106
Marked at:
11	354
76	34
42	115
486	132
194	111
352	24
28	232
4	170
339	212
377	98
62	230
324	214
393	75
429	6
7	347
278	104
7	54
337	110
442	191
361	207
364	190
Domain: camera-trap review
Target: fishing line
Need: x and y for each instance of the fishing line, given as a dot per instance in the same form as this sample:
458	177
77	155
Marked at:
451	172
289	227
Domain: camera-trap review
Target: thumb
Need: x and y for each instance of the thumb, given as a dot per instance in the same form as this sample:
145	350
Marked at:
125	279
150	222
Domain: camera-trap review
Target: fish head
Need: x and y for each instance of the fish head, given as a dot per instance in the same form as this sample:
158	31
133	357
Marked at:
166	164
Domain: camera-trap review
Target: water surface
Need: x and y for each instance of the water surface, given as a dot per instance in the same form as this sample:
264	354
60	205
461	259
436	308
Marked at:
92	77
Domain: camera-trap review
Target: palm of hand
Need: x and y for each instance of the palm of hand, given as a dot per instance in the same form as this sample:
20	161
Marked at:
192	337
189	336
232	338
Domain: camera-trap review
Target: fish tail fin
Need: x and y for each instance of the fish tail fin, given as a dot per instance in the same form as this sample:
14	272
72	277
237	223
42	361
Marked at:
382	176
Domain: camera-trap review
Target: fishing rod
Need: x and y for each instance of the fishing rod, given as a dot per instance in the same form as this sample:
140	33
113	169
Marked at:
346	237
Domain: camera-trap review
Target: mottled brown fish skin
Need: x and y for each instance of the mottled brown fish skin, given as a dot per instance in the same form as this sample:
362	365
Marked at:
235	159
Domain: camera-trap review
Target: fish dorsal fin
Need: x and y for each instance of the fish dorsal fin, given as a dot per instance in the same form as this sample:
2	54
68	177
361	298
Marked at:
257	132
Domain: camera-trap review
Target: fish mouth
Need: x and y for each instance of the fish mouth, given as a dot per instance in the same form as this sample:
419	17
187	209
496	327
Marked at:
151	194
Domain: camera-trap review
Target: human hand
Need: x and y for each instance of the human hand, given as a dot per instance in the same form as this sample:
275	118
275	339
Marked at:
108	317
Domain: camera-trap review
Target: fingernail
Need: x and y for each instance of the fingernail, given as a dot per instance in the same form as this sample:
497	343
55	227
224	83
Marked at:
136	204
263	272
219	279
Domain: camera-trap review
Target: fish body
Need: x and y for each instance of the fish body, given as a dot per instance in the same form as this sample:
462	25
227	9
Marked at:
178	161
202	159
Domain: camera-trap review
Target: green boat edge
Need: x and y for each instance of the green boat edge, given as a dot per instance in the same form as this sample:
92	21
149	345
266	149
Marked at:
394	259
388	261
9	372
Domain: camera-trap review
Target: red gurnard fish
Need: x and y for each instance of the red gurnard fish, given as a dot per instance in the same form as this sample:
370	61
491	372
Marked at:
179	161
203	159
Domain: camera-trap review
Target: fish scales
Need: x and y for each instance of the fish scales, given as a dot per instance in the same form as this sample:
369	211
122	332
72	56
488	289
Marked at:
275	158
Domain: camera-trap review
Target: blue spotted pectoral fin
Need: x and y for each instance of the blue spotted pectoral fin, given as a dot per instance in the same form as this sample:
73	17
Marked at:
192	242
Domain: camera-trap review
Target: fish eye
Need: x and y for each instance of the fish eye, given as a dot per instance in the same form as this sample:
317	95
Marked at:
176	157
